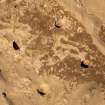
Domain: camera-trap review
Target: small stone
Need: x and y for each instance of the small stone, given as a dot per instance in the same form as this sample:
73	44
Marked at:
87	62
80	30
84	64
41	92
43	89
60	22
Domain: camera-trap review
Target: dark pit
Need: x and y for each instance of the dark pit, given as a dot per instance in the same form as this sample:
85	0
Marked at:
4	94
15	46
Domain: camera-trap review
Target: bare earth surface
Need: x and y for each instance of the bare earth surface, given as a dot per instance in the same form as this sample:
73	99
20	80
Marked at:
52	52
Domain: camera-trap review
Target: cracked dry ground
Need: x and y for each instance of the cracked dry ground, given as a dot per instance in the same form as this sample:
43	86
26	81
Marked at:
47	57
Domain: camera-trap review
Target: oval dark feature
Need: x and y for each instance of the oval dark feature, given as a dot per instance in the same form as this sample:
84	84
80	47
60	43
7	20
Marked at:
4	94
15	46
